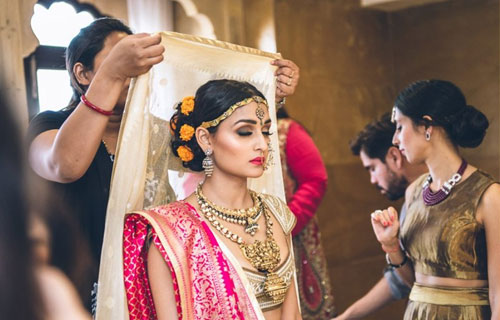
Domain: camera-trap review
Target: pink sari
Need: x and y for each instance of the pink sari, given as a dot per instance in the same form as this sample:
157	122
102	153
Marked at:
206	284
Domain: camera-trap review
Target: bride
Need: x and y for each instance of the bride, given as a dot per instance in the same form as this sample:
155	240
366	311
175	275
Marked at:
224	252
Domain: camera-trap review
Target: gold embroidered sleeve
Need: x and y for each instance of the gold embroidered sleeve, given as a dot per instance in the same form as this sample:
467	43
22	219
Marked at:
281	211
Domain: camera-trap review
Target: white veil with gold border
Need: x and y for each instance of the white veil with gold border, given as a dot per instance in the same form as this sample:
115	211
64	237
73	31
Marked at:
146	173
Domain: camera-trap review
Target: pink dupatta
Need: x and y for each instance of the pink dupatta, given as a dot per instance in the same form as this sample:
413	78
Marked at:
206	285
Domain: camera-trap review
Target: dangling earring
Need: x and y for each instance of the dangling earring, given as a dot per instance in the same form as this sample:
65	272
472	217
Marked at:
427	136
208	163
270	158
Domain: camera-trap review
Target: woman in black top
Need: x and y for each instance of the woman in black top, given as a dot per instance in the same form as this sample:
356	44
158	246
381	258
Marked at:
74	147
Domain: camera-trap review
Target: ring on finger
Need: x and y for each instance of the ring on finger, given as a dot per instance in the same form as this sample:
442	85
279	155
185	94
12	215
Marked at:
289	82
376	213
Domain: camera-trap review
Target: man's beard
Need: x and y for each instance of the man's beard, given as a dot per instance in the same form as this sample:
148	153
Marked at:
396	186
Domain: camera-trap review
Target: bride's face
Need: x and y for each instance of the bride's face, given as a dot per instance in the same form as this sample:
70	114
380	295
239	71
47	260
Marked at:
240	144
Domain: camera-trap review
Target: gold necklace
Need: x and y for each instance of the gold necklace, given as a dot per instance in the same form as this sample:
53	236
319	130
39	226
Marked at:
245	217
262	255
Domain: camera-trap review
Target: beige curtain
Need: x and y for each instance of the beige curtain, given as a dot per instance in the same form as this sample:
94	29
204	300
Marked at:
145	172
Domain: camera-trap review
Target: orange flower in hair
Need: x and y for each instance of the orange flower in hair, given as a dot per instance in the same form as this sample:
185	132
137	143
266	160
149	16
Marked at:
186	132
185	153
187	105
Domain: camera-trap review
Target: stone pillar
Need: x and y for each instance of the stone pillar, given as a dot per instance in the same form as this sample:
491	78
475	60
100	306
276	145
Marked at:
16	41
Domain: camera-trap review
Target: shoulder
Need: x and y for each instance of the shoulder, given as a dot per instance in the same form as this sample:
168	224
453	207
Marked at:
489	205
492	193
54	116
53	283
296	128
484	178
175	215
413	188
45	121
173	208
280	210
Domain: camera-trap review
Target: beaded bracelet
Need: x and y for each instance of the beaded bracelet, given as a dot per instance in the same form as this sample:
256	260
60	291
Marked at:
396	266
94	107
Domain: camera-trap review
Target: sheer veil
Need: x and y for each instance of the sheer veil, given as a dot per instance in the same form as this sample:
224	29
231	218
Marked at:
145	172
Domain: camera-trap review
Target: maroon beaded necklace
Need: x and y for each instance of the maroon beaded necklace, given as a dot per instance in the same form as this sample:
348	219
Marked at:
433	198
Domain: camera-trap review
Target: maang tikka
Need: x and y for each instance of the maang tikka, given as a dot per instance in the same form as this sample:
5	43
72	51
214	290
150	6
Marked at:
208	163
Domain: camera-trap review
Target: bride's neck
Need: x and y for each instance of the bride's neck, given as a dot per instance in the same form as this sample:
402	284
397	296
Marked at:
227	192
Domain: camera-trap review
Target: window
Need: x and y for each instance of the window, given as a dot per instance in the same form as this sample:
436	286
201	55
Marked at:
54	23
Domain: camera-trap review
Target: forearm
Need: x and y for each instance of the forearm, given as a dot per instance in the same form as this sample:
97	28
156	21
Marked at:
494	298
406	271
64	155
379	296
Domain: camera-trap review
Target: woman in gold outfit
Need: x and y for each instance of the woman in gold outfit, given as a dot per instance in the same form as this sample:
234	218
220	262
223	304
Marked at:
449	245
225	252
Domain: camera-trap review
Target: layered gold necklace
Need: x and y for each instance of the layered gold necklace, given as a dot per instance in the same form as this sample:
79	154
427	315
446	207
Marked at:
262	255
245	217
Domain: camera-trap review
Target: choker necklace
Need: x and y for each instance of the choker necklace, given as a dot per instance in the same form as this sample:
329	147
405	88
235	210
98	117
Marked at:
433	198
262	255
245	217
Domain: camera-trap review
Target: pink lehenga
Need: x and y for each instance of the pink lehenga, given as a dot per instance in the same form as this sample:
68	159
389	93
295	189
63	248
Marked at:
206	284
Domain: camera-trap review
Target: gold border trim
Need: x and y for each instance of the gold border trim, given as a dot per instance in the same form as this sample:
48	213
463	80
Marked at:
186	309
220	44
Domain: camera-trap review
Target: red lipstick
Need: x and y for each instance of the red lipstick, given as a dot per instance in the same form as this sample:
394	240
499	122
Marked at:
258	161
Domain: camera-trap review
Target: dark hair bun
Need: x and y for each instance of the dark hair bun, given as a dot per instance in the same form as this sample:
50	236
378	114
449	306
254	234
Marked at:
445	103
469	128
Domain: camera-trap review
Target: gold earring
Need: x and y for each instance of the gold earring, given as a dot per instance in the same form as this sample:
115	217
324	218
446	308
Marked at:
208	163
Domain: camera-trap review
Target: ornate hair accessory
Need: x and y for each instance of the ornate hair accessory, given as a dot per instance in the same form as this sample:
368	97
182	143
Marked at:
185	153
230	110
187	105
260	113
186	132
393	114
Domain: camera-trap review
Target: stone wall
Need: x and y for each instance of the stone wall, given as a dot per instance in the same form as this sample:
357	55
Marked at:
353	62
